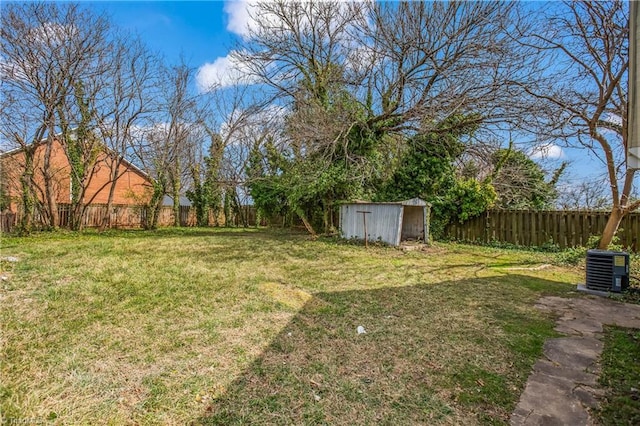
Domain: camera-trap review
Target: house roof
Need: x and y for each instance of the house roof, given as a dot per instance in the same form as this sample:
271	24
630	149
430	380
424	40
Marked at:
10	152
20	148
167	200
107	150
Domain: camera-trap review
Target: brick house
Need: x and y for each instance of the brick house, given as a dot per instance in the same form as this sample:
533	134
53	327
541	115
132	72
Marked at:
133	187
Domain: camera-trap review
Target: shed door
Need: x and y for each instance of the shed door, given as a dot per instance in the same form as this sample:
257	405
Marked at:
413	223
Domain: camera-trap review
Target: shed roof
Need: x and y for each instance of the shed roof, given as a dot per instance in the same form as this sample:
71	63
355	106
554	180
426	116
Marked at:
412	202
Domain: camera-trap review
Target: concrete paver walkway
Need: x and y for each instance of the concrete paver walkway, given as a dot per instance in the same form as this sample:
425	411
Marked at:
564	383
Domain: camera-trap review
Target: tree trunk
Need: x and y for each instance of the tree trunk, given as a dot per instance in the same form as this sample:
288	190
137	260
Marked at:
113	181
325	219
305	221
176	210
50	193
227	209
81	215
611	228
241	212
75	216
156	215
215	209
106	219
155	204
199	201
28	197
327	215
153	214
77	207
175	189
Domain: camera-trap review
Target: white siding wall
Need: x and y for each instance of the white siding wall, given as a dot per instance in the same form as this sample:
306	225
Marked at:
383	223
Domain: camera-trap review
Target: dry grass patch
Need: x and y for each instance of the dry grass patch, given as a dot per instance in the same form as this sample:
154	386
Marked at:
224	326
291	297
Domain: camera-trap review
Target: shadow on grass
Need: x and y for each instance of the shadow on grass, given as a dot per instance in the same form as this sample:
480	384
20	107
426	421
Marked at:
455	352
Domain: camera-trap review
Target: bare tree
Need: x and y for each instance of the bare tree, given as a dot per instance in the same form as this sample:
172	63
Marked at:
590	195
47	49
238	122
202	192
409	65
431	61
578	90
169	133
356	75
127	94
247	133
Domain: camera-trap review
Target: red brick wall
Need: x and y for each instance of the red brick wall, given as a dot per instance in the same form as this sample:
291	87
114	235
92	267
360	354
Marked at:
132	187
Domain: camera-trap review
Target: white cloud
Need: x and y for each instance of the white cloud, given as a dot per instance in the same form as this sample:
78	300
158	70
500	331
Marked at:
243	15
240	20
221	73
547	152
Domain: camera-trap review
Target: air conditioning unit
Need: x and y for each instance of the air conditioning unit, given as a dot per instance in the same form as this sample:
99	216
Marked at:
607	270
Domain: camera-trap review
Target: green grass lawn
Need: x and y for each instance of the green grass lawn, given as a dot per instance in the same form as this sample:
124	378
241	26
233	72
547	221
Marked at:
224	326
620	377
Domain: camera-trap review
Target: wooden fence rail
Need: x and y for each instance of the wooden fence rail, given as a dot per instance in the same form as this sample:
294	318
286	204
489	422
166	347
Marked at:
126	216
539	228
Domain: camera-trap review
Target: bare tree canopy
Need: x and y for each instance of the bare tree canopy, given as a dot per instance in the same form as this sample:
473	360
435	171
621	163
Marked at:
69	76
578	92
408	65
47	51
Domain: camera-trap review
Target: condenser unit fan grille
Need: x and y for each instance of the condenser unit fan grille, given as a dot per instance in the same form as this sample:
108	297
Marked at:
607	270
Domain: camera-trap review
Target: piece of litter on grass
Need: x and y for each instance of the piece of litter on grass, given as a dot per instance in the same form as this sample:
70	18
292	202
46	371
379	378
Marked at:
361	330
317	397
10	259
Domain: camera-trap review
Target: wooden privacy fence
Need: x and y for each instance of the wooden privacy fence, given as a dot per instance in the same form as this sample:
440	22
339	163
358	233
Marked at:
126	216
538	228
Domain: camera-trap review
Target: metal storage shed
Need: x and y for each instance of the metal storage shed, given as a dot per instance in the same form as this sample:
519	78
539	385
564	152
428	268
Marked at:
387	222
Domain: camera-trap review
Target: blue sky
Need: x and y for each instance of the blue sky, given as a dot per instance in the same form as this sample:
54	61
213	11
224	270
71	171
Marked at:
195	29
202	32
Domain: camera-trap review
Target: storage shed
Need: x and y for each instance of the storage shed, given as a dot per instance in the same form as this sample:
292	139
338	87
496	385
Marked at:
391	223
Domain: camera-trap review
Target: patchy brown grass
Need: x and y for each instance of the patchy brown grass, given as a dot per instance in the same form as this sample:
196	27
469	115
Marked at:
237	326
